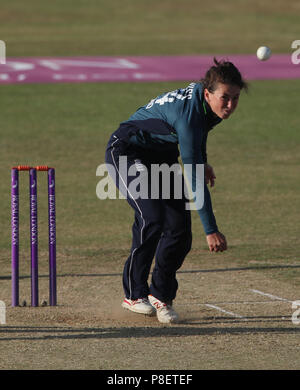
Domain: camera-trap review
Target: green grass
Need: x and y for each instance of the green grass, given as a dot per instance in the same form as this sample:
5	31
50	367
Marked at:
139	27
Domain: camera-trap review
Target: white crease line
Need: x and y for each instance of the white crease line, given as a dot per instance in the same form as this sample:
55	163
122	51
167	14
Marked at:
224	311
227	303
271	296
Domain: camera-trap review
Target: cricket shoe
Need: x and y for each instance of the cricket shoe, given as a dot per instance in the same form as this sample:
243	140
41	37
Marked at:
141	305
164	311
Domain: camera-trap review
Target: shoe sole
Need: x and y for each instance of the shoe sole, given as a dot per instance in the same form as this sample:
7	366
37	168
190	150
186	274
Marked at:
171	321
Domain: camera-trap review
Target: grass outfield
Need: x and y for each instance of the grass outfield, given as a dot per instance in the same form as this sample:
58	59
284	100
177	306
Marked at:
139	27
255	155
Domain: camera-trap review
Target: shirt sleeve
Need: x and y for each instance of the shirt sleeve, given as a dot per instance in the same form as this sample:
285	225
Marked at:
192	145
203	147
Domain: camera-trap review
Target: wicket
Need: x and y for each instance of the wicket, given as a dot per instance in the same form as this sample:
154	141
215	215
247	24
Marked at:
33	233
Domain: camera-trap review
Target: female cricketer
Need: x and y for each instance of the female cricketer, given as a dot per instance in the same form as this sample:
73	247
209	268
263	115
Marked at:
171	125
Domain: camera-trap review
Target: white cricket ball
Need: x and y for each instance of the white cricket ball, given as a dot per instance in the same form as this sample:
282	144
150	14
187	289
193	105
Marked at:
263	53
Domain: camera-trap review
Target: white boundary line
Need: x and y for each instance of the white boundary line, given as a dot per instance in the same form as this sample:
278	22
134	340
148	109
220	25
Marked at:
274	297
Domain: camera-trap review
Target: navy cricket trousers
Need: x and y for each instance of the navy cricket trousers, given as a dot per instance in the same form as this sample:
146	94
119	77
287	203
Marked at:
161	228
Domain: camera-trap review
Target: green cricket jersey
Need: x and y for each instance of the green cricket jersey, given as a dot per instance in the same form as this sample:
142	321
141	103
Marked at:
178	118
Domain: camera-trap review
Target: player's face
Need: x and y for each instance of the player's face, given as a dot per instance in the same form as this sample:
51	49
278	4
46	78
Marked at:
224	100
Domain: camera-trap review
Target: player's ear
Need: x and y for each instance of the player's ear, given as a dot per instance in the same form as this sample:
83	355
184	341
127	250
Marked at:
206	94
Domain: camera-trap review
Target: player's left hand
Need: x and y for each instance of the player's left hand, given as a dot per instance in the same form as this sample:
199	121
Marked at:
209	175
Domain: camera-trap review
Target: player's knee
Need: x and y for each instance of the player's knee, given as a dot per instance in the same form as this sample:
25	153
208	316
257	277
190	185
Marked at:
153	225
182	241
187	241
156	225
